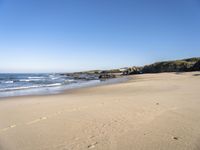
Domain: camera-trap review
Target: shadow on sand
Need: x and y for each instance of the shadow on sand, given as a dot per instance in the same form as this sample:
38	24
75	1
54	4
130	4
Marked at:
196	75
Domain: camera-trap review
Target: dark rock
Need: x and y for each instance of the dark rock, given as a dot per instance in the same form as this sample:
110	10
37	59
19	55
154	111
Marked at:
82	76
175	138
196	66
106	76
190	64
133	70
90	76
170	66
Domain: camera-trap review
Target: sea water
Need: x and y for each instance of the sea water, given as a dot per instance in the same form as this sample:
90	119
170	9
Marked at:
36	84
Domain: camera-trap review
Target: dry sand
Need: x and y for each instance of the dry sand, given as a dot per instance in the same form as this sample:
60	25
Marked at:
149	112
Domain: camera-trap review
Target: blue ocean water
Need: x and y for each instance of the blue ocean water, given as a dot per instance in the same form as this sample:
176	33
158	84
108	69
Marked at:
32	84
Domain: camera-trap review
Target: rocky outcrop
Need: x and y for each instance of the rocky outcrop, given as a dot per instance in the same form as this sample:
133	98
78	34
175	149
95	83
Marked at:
82	76
133	70
106	76
90	76
172	66
190	64
196	66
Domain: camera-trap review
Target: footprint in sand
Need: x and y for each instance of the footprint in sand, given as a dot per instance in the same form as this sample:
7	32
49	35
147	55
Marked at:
59	112
92	145
175	138
9	127
56	114
91	137
36	120
12	126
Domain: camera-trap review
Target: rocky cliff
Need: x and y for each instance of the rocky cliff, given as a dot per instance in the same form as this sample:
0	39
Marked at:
184	65
191	64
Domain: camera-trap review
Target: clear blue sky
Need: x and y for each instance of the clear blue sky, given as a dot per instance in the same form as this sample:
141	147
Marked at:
73	35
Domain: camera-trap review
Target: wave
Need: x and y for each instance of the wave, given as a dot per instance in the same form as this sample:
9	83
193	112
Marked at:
69	80
18	88
29	87
54	84
55	78
29	80
24	80
36	77
7	82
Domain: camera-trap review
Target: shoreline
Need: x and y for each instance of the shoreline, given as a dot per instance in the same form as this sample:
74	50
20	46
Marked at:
148	112
117	80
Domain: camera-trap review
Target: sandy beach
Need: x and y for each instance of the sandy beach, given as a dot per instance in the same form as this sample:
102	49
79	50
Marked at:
148	112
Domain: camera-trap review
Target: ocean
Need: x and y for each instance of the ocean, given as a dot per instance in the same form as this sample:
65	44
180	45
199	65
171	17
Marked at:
37	84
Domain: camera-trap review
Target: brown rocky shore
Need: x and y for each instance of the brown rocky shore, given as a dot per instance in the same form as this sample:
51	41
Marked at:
184	65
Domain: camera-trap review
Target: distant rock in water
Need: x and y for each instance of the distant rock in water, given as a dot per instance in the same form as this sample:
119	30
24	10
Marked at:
89	75
82	76
106	76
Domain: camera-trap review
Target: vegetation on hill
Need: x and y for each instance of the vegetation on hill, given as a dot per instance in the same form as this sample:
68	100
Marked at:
190	64
184	65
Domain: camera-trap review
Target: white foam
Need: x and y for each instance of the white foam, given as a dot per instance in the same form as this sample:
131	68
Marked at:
54	78
18	88
70	80
7	82
36	77
28	80
24	80
54	84
30	87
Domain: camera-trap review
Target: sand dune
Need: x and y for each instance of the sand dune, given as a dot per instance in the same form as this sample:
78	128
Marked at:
149	112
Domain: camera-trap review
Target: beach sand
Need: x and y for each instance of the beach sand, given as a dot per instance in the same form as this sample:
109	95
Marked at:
148	112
